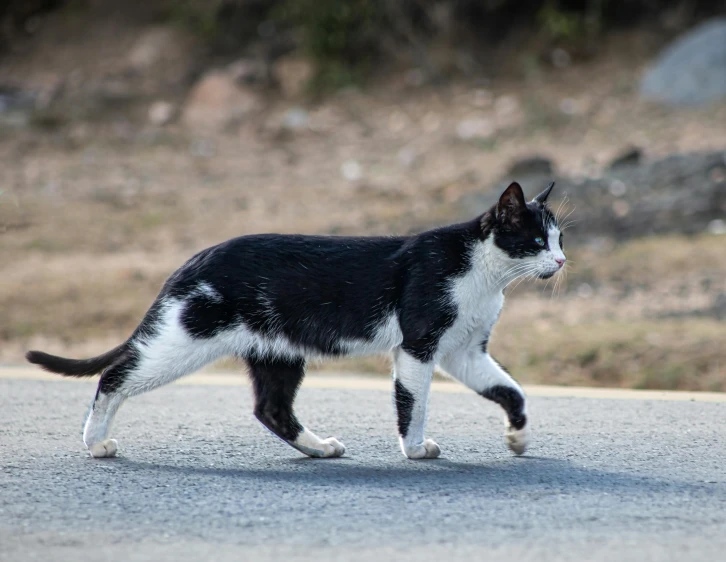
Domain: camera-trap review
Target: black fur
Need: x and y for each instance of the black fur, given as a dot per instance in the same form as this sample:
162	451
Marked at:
404	407
484	345
275	384
511	401
76	367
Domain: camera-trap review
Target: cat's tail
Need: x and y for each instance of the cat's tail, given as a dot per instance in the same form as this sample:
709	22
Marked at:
77	367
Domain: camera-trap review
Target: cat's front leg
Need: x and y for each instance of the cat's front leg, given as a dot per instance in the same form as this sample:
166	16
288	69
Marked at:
477	369
412	382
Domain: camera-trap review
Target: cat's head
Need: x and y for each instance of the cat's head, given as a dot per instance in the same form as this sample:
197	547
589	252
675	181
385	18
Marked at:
527	233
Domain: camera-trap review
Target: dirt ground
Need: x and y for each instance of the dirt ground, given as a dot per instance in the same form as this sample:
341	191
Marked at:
95	214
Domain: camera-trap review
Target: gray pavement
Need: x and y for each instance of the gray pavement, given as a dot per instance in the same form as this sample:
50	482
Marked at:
199	479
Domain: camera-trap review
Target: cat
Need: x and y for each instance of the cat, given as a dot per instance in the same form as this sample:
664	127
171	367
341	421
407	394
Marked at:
277	300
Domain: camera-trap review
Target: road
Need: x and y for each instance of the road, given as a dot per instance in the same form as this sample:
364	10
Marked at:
610	476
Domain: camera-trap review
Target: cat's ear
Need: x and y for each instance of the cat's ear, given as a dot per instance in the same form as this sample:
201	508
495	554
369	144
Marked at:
511	204
542	197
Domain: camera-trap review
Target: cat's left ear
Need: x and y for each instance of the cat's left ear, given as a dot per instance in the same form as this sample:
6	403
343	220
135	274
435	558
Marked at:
511	204
542	197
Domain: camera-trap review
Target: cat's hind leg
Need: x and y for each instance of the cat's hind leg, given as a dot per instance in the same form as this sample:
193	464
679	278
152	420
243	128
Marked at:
148	366
275	382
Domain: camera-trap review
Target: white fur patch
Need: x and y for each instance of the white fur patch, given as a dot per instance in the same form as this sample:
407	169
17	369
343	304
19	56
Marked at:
104	449
310	444
517	439
428	449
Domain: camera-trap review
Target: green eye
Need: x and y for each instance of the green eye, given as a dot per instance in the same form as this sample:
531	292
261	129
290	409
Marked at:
539	242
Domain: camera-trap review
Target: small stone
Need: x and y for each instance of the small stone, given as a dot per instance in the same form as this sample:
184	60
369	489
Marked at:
585	291
202	148
621	208
247	71
397	121
295	119
508	112
717	227
570	106
414	77
718	174
407	156
475	128
351	170
483	98
161	113
151	47
561	58
617	188
293	73
216	101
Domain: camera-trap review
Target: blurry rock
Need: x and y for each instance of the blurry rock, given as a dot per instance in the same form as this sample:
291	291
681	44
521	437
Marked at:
151	47
414	78
293	73
351	170
407	156
216	102
249	72
617	188
162	61
203	148
483	98
49	90
677	194
560	58
631	157
531	166
475	128
692	69
717	227
572	106
295	119
508	112
161	113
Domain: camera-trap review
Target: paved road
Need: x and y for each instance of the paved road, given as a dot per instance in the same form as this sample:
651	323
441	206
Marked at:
199	479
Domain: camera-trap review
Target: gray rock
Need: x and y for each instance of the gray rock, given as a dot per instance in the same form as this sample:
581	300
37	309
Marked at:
676	194
692	70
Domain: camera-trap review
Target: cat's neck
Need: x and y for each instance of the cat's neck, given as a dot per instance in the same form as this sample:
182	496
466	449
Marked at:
491	267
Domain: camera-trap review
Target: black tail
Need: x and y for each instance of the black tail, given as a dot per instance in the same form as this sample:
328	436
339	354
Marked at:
76	367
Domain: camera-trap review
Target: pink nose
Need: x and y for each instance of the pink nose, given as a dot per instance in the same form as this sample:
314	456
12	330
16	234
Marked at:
560	261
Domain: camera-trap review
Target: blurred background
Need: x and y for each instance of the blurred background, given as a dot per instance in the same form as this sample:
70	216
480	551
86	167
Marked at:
133	134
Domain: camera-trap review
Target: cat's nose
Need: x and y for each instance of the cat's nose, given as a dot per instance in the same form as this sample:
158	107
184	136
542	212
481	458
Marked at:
560	261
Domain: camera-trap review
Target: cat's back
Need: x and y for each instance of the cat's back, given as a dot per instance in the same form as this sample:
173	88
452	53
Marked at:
306	260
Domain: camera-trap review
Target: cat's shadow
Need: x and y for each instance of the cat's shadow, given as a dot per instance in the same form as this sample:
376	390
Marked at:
541	475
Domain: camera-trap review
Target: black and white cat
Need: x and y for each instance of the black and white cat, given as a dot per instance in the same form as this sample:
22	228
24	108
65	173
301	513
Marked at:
277	300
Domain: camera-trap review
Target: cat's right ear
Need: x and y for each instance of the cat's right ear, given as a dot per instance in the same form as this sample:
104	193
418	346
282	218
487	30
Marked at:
511	204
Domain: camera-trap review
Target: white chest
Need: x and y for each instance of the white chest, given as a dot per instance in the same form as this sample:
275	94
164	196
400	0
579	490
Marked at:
478	310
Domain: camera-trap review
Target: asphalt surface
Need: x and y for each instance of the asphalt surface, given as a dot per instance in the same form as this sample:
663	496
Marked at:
199	479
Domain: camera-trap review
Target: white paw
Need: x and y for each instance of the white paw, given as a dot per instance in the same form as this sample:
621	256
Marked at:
328	449
102	449
426	450
517	439
333	448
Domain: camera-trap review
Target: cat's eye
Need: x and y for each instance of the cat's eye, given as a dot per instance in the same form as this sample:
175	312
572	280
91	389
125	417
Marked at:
561	242
539	242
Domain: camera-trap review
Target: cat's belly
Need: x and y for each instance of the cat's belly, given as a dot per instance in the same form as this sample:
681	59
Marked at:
386	337
242	341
